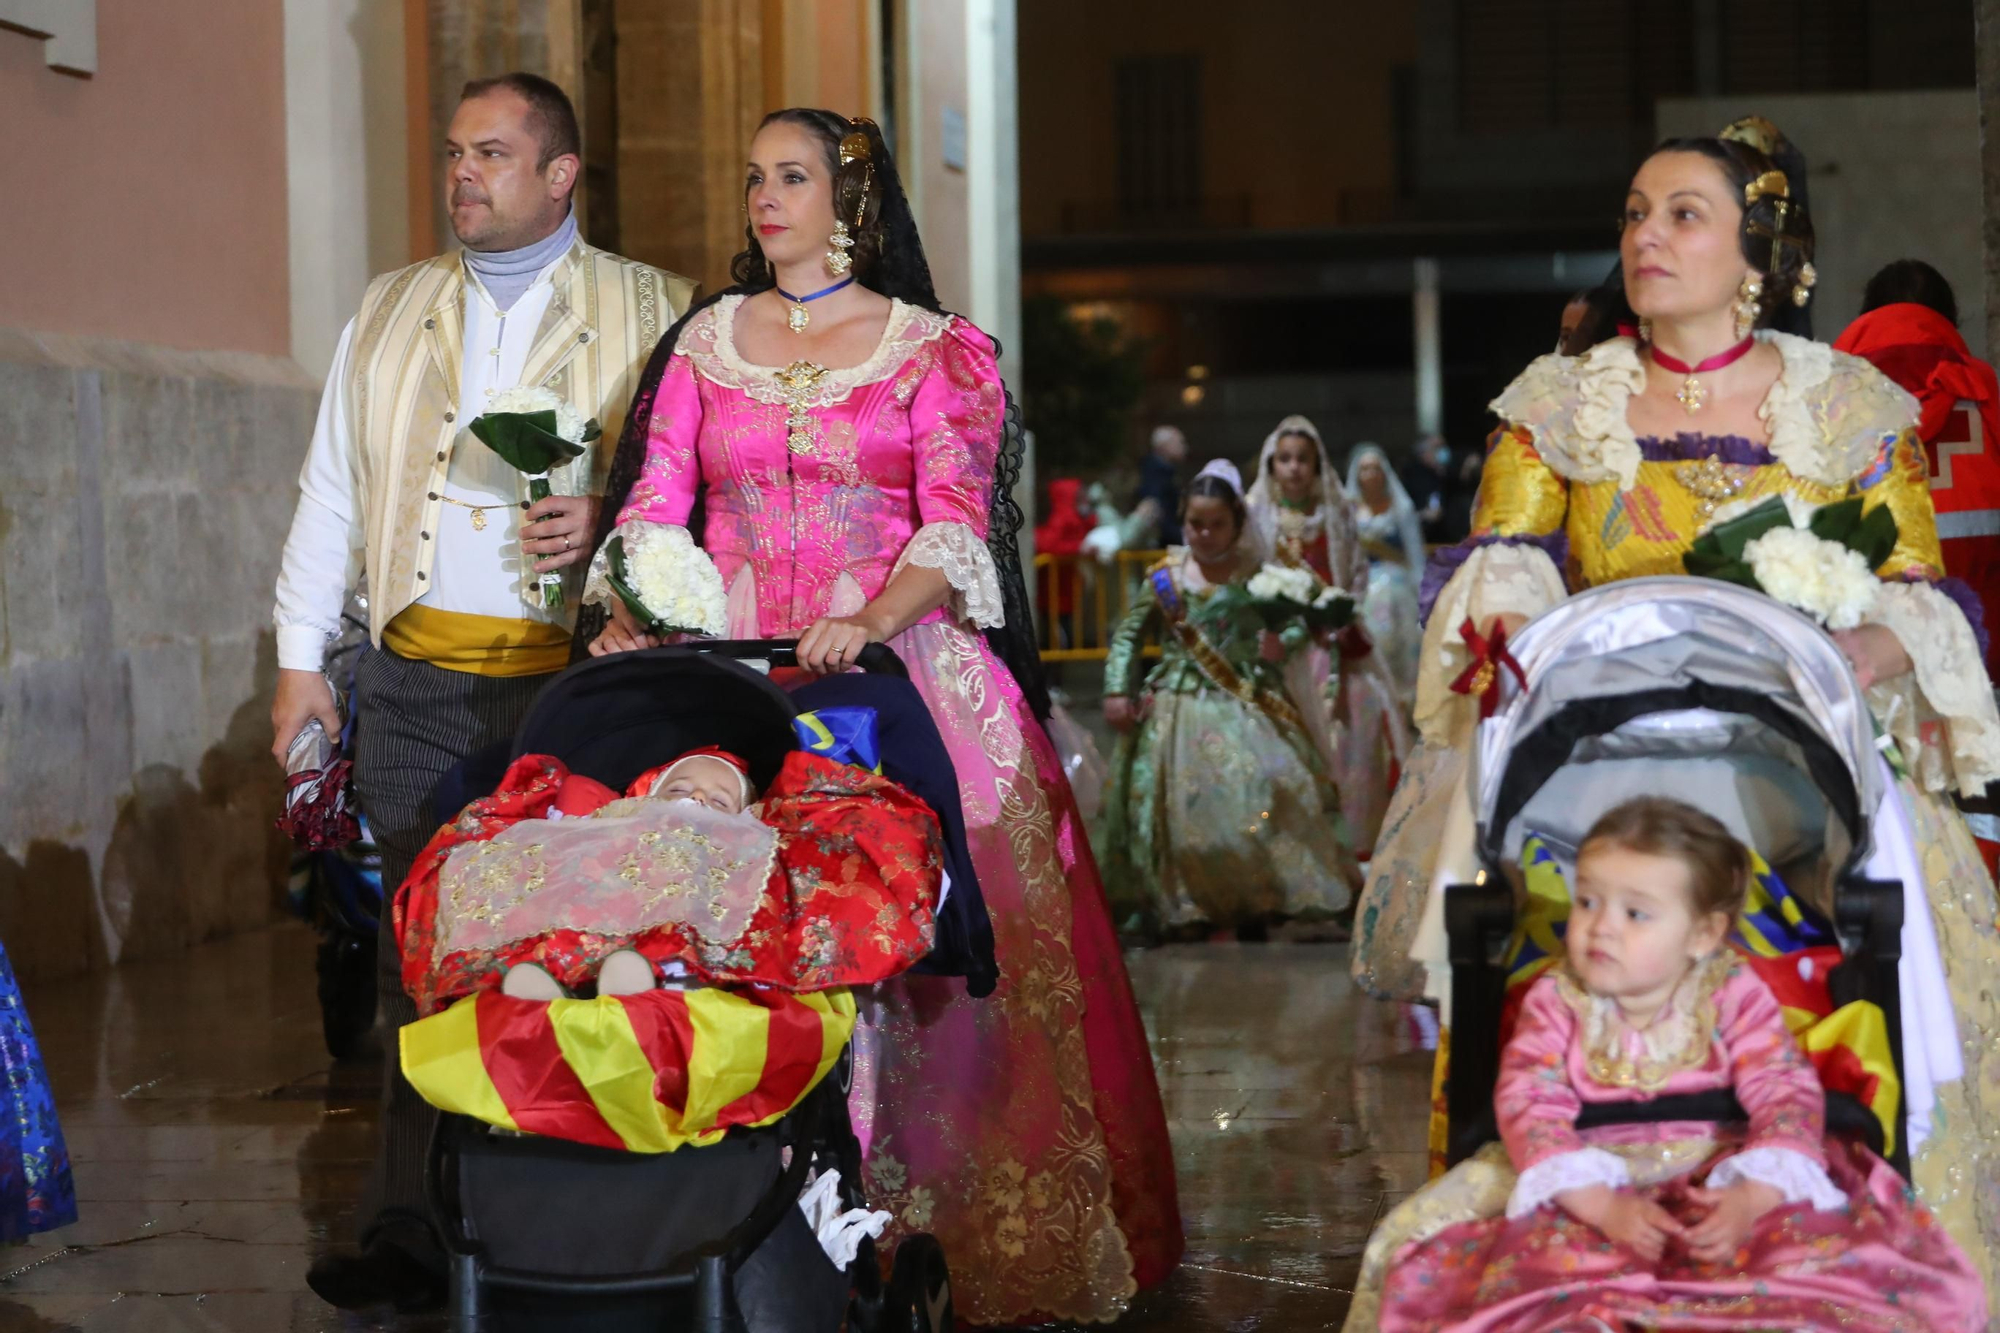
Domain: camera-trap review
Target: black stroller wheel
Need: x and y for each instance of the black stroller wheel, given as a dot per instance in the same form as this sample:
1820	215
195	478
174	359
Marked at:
919	1296
346	991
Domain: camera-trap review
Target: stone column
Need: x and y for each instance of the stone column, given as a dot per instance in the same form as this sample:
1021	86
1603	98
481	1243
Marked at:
1986	35
690	93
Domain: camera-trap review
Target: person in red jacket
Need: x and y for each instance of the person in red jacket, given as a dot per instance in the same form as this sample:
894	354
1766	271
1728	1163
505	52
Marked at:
1909	331
1062	534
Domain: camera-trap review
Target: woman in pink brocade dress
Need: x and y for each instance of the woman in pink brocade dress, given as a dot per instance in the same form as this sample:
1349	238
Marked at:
843	447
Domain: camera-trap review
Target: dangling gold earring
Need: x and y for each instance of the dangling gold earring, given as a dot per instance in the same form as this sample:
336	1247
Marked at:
1645	329
1802	293
1748	306
838	260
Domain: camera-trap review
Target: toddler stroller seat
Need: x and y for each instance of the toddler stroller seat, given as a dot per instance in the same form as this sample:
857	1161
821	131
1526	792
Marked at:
705	1237
1725	699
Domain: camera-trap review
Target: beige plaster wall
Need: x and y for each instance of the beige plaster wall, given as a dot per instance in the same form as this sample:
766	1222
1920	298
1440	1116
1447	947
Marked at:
148	202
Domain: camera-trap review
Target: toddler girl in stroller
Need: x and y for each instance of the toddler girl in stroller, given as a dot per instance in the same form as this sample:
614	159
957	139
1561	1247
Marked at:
1778	1226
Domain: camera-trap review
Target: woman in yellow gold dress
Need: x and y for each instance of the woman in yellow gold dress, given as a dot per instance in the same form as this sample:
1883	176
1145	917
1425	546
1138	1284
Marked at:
1609	464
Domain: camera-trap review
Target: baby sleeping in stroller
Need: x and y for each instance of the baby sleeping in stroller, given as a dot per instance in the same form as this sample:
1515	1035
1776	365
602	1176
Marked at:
556	882
1631	1224
680	1153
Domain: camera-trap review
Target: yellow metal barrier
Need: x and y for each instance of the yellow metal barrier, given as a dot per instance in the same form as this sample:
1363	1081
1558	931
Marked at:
1081	602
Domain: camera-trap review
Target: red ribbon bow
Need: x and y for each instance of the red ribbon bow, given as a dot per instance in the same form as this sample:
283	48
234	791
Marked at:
1483	676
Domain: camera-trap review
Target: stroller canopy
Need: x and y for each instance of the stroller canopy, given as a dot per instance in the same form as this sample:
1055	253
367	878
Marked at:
1689	688
612	718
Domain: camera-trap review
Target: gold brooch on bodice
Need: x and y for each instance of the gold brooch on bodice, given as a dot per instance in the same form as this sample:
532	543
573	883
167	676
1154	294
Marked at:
800	381
1712	482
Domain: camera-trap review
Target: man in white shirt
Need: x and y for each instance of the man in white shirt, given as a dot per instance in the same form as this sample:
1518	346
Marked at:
397	491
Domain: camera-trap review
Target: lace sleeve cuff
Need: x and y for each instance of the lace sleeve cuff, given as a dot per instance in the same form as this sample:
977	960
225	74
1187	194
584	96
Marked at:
1942	714
1793	1174
955	550
596	578
1519	578
1562	1173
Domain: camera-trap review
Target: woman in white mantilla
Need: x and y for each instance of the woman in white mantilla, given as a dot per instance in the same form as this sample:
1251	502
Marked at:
1300	515
1392	539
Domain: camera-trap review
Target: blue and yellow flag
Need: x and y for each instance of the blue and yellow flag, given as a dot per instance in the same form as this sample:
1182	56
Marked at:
844	734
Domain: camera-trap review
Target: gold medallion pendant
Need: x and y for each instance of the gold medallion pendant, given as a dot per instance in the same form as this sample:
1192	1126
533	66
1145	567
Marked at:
1692	395
478	511
798	316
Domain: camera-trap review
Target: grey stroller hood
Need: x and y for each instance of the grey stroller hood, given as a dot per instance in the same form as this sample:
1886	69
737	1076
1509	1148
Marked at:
1683	687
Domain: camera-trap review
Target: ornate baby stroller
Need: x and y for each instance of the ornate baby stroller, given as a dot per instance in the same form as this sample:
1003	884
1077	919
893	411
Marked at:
1721	697
712	1238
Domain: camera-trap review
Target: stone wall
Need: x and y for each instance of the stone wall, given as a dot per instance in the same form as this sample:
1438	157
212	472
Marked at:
143	505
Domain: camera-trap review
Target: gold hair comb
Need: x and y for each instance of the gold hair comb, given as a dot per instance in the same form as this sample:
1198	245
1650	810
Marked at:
1770	185
854	146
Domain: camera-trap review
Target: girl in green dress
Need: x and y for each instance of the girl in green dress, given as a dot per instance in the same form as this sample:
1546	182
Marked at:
1219	812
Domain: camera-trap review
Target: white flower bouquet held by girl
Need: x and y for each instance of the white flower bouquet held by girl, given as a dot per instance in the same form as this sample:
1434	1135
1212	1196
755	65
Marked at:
1292	600
534	430
667	582
1820	560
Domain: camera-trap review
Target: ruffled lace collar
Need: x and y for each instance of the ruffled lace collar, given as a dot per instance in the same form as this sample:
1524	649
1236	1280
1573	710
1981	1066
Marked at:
1827	413
709	342
1679	1037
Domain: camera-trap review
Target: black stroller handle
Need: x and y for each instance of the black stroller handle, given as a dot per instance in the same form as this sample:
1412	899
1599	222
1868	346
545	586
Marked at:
877	659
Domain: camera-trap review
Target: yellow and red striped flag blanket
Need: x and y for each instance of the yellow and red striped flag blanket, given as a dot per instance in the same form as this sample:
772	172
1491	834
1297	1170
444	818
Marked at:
645	1073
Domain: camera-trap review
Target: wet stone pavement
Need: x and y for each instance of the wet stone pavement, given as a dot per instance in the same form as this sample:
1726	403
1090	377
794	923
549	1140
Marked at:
217	1149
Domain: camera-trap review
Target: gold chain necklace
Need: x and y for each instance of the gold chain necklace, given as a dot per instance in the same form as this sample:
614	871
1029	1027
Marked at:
478	511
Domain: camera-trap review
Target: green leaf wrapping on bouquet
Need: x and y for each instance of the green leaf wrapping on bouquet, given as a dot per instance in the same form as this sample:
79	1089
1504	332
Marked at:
620	583
1277	612
1873	533
1725	541
1718	553
1337	615
551	582
527	441
1280	612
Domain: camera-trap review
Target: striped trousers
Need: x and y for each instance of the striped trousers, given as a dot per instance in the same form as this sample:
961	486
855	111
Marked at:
414	722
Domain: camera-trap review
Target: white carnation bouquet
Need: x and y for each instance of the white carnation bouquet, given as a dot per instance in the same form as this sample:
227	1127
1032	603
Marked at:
1292	600
665	580
1821	560
535	430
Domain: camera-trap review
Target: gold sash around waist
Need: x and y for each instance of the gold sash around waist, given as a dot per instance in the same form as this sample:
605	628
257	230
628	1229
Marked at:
479	645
